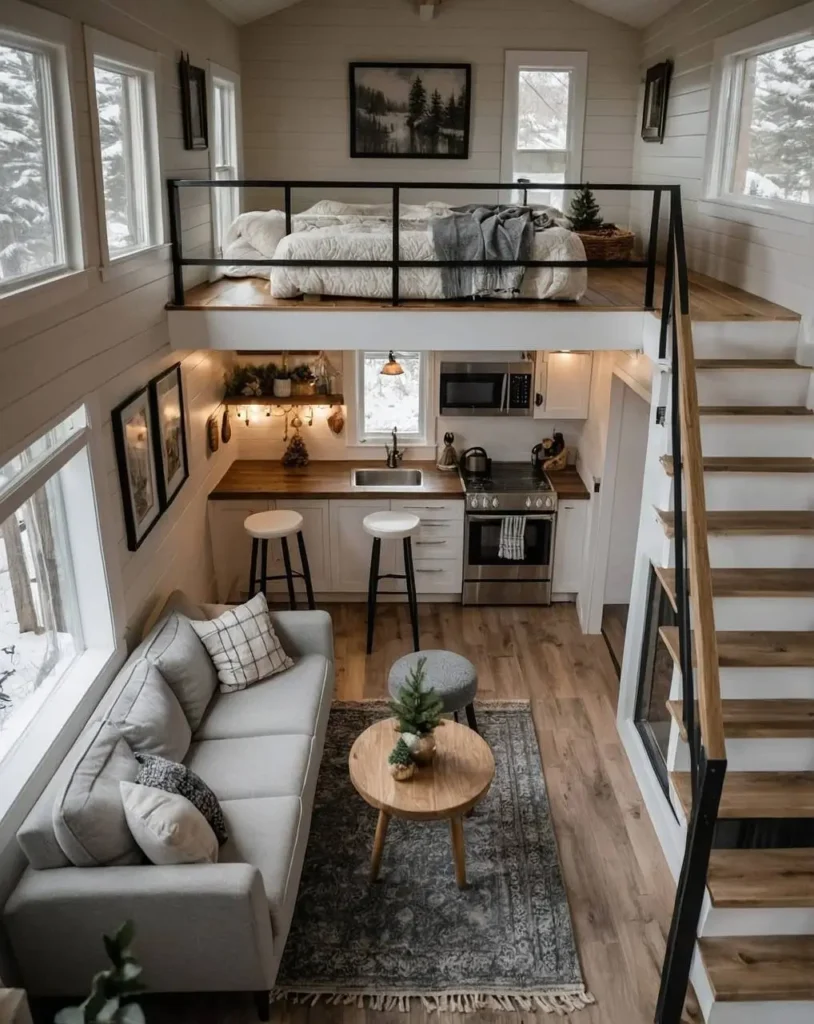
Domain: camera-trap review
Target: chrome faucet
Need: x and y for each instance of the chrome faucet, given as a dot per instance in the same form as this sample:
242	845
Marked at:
394	455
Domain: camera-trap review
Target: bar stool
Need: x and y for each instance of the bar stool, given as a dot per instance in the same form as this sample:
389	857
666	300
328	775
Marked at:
391	526
278	525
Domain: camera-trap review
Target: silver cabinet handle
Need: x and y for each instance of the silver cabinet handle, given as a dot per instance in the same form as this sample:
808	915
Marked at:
431	570
427	542
431	508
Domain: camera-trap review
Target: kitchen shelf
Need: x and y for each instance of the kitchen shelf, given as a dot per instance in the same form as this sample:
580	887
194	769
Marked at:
291	400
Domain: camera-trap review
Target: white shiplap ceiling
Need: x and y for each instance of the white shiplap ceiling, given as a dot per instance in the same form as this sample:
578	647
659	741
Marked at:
632	12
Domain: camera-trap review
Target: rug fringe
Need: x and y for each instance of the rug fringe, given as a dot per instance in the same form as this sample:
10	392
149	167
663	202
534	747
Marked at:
561	1001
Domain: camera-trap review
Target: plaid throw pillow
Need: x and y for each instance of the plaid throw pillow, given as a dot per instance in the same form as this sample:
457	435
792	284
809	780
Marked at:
172	777
243	645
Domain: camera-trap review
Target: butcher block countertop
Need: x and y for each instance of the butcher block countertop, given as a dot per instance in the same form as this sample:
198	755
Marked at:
268	478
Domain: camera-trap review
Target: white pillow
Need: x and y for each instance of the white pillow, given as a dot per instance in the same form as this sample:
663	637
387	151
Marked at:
167	827
243	645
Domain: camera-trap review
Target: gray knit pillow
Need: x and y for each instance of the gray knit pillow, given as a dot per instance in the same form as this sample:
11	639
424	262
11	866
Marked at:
173	777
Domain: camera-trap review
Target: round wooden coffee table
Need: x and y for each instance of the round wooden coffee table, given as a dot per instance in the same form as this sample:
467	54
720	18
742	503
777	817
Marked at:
459	776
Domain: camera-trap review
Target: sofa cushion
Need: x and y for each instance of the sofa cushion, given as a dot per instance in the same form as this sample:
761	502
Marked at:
173	777
167	827
286	703
253	766
88	816
148	715
265	832
183	662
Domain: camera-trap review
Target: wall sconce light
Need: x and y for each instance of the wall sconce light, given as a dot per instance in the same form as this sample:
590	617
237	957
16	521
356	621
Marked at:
391	368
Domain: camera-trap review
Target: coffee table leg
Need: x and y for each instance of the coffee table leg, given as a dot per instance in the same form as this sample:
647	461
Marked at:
456	828
378	844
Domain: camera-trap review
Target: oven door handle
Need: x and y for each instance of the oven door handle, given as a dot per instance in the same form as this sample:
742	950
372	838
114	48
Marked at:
549	516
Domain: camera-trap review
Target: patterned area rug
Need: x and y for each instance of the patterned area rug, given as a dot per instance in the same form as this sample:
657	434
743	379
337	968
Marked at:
505	943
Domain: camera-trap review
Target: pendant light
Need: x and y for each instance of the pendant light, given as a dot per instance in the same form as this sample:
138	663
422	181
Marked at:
391	368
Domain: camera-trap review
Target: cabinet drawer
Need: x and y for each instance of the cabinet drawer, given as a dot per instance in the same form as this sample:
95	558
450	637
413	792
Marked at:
438	575
434	545
428	508
438	529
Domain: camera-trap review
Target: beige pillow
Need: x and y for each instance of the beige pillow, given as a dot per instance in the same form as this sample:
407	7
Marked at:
167	827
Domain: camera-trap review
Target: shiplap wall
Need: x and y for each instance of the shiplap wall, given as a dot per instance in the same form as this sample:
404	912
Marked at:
111	339
295	85
775	260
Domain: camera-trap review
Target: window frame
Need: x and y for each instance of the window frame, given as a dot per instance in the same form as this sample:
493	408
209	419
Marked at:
218	73
730	55
51	35
417	440
116	54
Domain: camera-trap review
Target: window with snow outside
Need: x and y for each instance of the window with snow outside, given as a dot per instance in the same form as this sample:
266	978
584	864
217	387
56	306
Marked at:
386	401
541	145
224	142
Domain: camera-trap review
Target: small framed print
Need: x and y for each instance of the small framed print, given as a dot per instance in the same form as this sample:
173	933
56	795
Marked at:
193	105
134	435
167	395
656	92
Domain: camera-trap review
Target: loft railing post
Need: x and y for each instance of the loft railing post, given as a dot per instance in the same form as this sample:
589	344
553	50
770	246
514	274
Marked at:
174	206
682	273
652	250
396	248
667	308
287	199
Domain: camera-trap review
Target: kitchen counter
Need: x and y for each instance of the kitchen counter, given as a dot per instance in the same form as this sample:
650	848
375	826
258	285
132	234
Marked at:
268	478
568	485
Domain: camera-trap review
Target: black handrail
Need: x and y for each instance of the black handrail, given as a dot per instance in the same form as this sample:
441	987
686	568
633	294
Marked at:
396	264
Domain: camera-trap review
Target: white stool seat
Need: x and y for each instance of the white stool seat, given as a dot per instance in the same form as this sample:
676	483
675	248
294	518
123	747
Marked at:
391	525
268	525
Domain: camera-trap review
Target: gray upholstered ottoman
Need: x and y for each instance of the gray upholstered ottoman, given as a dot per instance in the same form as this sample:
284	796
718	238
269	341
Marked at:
452	677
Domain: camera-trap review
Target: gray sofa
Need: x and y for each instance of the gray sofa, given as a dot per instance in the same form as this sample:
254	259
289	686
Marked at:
201	927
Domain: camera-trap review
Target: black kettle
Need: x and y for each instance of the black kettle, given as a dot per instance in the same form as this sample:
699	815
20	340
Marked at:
475	460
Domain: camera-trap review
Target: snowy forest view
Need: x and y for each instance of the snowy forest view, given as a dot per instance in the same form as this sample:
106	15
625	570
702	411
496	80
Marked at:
392	401
775	157
410	112
542	109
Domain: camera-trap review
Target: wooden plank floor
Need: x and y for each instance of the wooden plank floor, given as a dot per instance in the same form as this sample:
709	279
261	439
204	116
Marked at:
613	290
619	886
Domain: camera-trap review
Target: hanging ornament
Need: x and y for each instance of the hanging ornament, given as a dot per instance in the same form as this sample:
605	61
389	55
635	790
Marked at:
212	434
296	422
285	431
336	421
296	454
226	427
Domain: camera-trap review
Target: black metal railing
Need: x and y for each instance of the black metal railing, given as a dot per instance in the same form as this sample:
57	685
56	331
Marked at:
395	264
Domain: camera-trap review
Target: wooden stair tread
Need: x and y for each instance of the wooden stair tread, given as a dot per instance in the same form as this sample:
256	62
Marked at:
755	410
771	523
761	878
763	968
756	794
755	649
786	718
750	582
748	364
748	464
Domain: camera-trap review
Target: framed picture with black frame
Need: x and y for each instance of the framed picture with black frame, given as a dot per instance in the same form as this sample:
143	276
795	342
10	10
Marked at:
134	437
415	111
656	93
167	400
193	104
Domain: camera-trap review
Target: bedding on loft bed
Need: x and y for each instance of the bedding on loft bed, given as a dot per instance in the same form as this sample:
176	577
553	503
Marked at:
432	231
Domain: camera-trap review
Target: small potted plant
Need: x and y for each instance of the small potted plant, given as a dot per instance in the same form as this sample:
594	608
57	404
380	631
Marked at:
112	991
418	713
303	381
282	382
401	763
601	240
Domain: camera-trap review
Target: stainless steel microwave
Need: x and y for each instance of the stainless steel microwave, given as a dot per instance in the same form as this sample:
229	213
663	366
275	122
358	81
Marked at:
486	389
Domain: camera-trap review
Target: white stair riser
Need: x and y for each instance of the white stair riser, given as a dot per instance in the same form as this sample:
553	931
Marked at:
748	755
753	387
720	923
767	683
790	613
743	492
756	552
745	340
761	1013
767	436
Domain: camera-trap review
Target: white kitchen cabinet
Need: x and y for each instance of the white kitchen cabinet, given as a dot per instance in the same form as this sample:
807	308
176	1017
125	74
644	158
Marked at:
569	547
316	534
562	386
351	546
437	546
232	546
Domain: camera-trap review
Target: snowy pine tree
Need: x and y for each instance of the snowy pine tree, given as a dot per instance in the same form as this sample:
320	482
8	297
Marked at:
417	104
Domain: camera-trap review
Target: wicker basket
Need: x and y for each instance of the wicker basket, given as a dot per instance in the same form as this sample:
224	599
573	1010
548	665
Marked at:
303	388
607	244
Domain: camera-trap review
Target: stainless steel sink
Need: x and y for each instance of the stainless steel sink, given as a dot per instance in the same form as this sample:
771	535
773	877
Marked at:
386	479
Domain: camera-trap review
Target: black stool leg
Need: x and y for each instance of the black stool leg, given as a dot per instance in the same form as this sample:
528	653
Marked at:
470	717
253	572
409	573
372	587
306	571
292	597
264	556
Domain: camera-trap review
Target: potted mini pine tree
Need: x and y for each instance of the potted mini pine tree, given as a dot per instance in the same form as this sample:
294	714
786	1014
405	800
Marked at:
600	239
418	713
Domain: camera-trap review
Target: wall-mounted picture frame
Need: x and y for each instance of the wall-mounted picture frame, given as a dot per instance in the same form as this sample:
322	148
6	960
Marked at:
418	111
656	94
167	397
193	104
134	437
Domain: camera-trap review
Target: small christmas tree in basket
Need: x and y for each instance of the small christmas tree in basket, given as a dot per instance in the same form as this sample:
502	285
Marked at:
401	762
601	240
418	712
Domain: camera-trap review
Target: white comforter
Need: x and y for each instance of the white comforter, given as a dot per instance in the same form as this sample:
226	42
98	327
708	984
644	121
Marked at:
333	230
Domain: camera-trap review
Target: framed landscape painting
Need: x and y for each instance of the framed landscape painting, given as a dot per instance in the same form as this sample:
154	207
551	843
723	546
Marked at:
418	111
171	439
134	434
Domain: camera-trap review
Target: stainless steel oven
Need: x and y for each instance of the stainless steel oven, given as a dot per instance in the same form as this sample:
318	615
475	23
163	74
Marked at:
489	579
486	389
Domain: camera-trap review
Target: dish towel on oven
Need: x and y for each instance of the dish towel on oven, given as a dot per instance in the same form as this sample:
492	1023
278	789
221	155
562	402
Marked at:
512	538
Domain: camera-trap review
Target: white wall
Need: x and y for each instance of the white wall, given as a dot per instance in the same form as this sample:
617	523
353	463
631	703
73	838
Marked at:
295	84
775	260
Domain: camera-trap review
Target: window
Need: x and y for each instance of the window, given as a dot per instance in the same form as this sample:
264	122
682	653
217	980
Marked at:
385	402
54	607
543	115
126	154
763	153
225	164
39	229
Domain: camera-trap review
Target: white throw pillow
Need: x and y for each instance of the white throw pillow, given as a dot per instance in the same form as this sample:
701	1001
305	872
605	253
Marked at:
167	827
243	645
